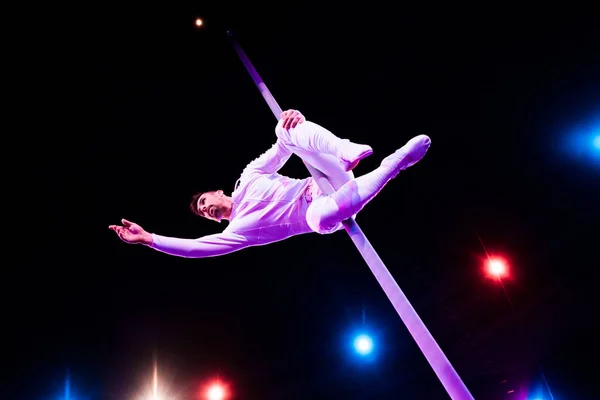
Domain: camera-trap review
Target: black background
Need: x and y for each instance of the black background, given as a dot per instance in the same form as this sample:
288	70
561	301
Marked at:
127	113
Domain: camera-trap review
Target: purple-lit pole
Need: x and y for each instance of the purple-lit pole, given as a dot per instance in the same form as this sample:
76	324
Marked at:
436	358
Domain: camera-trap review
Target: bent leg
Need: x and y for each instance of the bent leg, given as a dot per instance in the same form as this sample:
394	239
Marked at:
326	152
328	165
327	212
319	215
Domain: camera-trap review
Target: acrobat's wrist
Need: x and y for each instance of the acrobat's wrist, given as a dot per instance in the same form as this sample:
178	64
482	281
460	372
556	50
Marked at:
147	239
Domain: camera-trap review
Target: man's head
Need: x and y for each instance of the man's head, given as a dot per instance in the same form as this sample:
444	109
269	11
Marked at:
213	205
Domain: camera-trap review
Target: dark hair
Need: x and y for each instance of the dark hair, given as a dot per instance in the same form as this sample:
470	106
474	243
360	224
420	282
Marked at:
194	203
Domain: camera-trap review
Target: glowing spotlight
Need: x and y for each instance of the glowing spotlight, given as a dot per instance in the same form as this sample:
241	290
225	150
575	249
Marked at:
363	344
497	267
582	143
157	389
155	382
199	22
68	387
216	391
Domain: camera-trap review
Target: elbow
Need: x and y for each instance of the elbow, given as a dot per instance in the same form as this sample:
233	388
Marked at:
283	135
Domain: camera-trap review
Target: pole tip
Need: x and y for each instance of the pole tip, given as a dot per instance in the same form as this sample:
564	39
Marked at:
229	33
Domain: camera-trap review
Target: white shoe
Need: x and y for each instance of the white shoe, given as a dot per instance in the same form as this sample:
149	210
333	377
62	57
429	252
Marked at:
351	153
408	155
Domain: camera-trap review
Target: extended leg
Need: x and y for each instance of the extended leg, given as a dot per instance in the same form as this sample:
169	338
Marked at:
327	212
323	150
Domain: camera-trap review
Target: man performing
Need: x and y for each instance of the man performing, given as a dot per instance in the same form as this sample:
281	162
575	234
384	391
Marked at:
267	207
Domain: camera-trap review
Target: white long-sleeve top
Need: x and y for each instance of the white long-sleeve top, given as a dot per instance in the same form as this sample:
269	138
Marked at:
268	207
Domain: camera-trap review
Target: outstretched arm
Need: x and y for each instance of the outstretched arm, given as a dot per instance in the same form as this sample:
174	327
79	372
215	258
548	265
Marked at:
207	246
274	159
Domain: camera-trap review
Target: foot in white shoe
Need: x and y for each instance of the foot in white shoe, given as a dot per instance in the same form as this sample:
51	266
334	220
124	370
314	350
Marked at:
408	155
352	153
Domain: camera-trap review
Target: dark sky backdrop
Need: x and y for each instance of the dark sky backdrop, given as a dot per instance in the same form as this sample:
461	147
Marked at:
136	111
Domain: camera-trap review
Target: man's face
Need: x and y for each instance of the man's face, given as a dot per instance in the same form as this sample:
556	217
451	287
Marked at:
211	205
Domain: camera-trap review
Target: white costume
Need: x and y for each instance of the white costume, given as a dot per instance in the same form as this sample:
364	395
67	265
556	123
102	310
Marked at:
269	207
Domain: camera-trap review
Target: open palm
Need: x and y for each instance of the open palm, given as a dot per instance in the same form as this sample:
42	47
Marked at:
130	232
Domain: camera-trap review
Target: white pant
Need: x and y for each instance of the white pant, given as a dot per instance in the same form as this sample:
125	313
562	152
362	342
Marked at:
318	147
321	149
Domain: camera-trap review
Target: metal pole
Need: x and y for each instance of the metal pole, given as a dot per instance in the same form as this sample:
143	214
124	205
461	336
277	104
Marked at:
436	358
